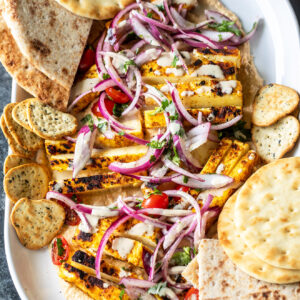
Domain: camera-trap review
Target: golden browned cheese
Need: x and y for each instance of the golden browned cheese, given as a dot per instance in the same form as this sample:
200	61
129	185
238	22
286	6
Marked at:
94	287
215	115
100	158
94	183
90	242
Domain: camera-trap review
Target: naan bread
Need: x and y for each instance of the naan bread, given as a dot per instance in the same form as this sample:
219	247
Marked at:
49	36
26	75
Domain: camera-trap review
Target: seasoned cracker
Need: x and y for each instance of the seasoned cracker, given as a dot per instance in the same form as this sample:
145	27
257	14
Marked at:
22	136
15	147
19	114
29	180
48	122
272	103
275	141
15	160
37	222
267	213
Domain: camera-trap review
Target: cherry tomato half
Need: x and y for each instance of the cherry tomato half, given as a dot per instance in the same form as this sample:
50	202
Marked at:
72	217
117	96
108	104
60	250
156	201
181	188
192	294
87	59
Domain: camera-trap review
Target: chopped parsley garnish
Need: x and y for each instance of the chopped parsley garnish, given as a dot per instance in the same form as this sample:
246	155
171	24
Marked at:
60	248
174	62
185	179
158	289
150	15
88	120
155	192
139	205
121	133
238	131
161	7
74	198
176	158
129	63
156	144
118	109
182	258
152	158
121	294
226	26
105	76
164	104
220	37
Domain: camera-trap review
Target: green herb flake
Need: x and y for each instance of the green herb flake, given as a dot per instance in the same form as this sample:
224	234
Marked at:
152	158
118	109
60	248
220	37
88	120
176	158
156	144
158	289
105	76
185	179
121	133
226	26
121	294
139	205
182	258
150	15
174	62
155	192
161	7
129	63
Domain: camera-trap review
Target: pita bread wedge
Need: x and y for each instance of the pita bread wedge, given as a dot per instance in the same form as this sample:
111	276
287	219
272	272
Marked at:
219	278
26	75
49	36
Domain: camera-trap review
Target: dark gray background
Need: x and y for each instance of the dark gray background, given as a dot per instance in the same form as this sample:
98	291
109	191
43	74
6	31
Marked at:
7	289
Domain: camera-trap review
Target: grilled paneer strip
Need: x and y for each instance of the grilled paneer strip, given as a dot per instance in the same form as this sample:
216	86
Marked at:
119	245
94	287
94	183
197	93
213	115
110	268
221	64
100	158
59	147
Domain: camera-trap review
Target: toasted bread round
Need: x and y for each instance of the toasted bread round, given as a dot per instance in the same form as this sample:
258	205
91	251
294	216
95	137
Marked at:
48	122
22	136
275	141
37	222
29	180
272	103
19	114
15	160
242	256
267	213
15	147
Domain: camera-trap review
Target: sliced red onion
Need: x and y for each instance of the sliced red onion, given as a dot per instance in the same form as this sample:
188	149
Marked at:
213	138
146	257
132	282
185	155
135	48
77	99
104	240
161	35
227	124
82	151
207	203
61	197
217	36
166	212
153	180
87	225
201	38
201	129
176	270
156	10
176	230
154	22
209	181
159	170
179	56
142	164
142	32
103	85
147	55
191	42
179	106
197	141
107	116
153	259
183	24
199	119
70	139
99	62
138	78
129	136
179	170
